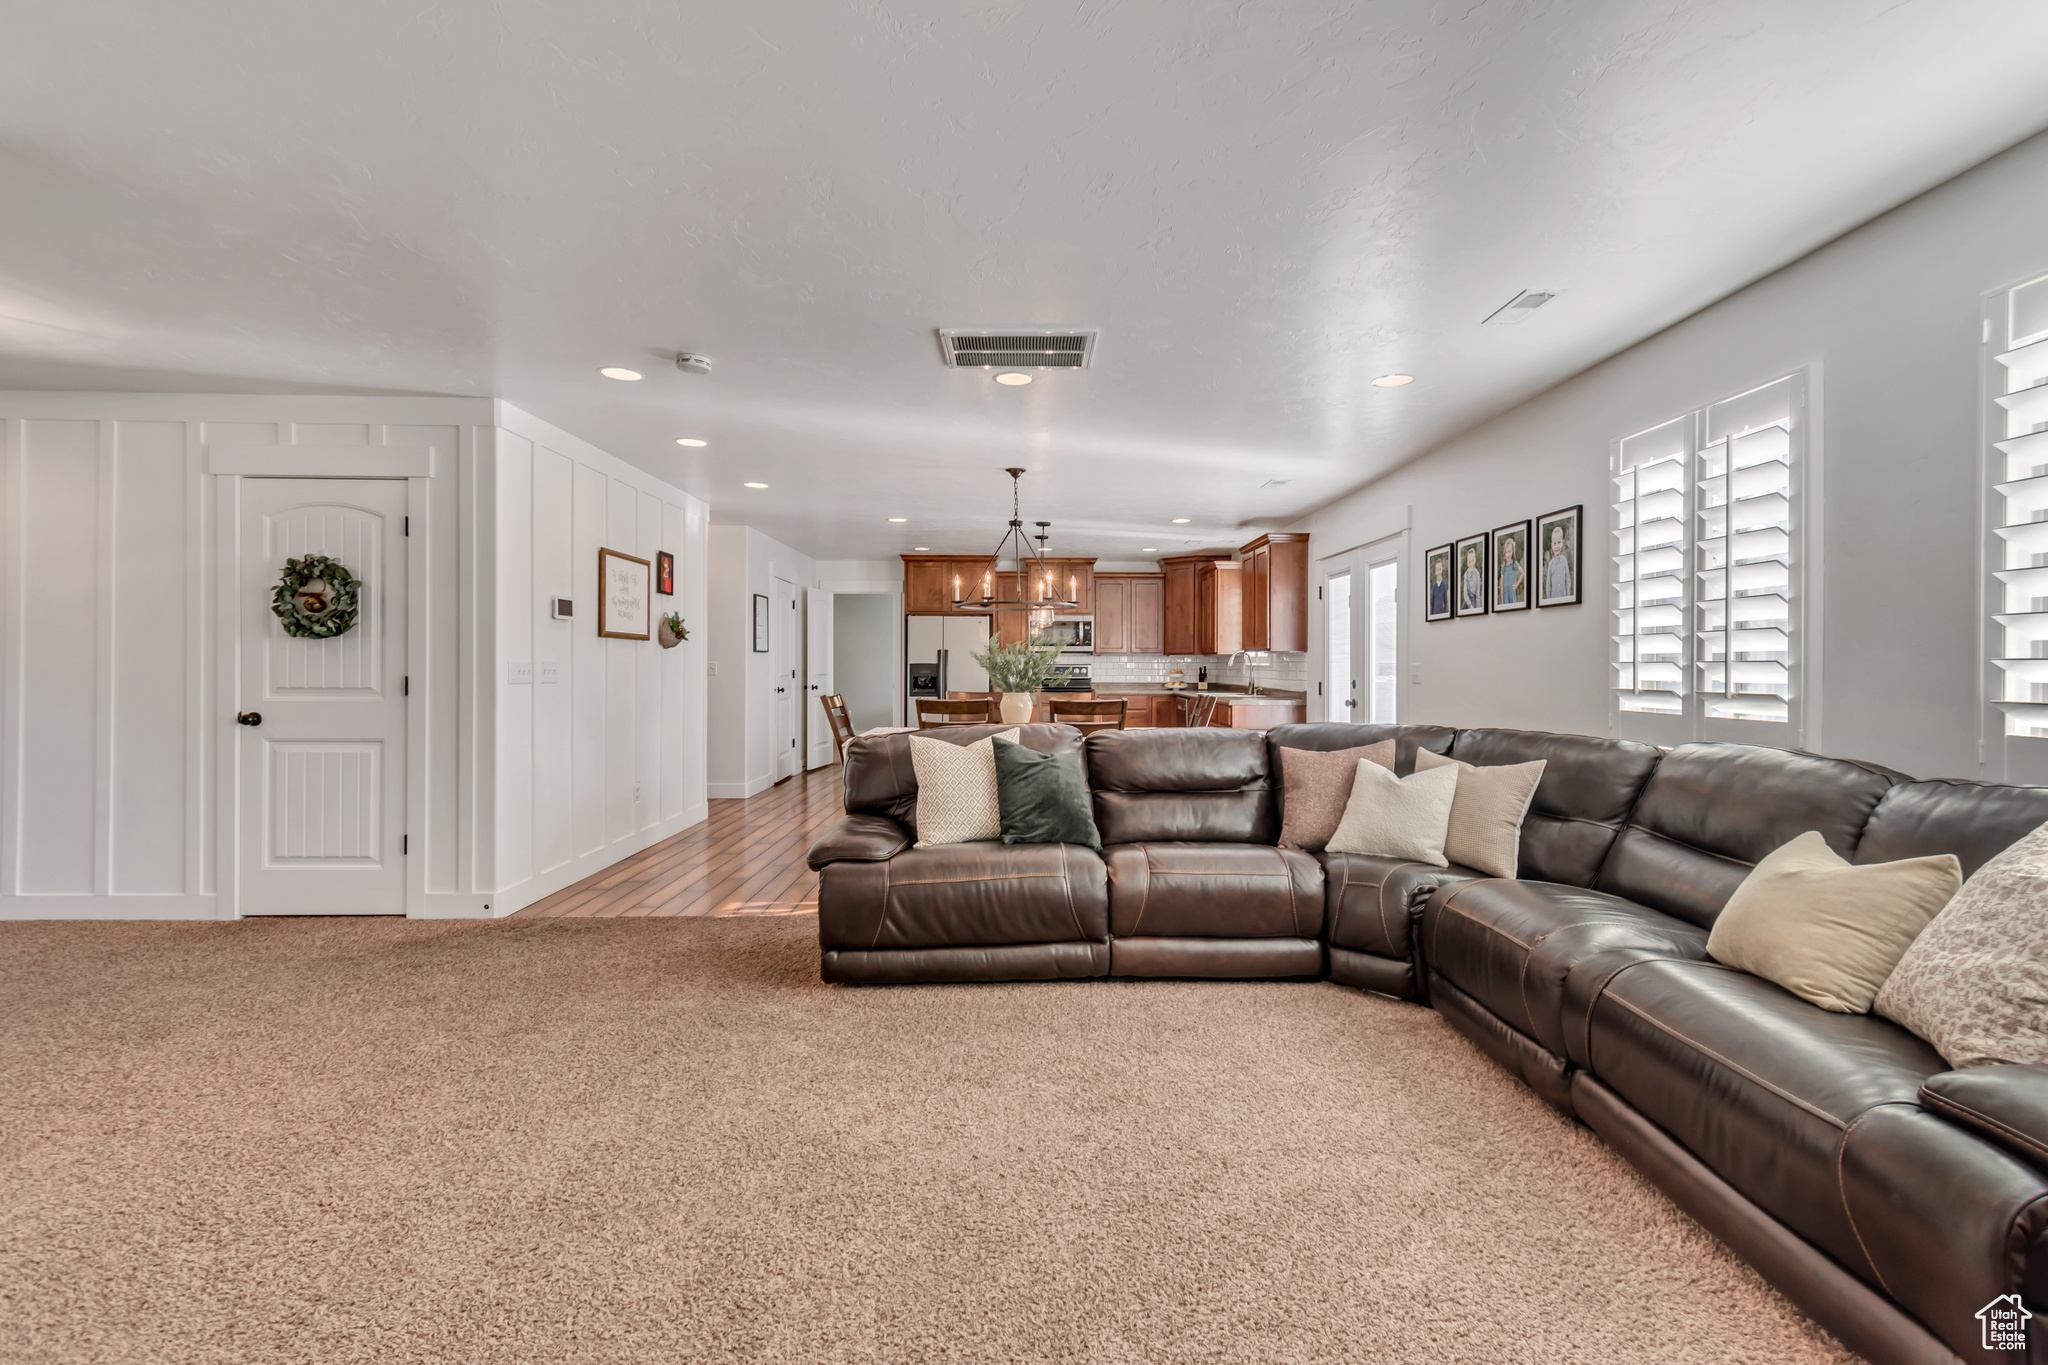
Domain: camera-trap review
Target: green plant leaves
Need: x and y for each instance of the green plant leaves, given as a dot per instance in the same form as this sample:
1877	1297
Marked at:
342	598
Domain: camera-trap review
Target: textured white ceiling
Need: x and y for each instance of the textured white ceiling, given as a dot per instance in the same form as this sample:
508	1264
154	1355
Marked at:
1262	206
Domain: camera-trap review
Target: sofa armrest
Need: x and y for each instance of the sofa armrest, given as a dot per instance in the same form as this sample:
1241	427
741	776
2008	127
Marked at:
859	839
2006	1104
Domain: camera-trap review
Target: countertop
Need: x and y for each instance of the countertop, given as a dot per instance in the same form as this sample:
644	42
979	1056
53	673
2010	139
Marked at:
1236	694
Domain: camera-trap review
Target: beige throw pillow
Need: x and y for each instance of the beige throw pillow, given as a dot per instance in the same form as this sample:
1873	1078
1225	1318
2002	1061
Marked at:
1315	786
956	790
1975	984
1397	817
1486	819
1825	930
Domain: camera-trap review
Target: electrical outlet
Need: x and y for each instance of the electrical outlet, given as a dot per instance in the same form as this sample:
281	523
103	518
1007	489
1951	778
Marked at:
550	671
519	673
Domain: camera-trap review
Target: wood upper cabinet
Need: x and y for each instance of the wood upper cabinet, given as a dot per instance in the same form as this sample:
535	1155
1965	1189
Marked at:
1219	607
1182	630
1275	582
932	583
1130	613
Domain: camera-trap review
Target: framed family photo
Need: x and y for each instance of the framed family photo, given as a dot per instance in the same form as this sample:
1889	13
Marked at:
1559	547
1436	577
1511	586
624	611
664	573
1468	576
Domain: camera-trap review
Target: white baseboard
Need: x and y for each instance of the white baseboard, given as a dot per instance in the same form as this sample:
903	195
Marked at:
512	899
740	791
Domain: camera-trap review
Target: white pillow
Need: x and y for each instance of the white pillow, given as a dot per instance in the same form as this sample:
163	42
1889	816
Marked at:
1397	817
1486	818
956	790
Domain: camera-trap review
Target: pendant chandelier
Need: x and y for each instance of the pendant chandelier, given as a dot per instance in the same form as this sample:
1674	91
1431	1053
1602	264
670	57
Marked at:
1037	588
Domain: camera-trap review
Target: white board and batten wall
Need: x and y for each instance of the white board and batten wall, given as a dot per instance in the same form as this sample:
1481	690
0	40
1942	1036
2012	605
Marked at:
121	643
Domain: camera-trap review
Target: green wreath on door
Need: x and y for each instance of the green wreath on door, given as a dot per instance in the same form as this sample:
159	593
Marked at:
316	598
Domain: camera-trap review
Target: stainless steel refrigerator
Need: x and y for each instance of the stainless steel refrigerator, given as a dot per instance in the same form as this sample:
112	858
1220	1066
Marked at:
938	657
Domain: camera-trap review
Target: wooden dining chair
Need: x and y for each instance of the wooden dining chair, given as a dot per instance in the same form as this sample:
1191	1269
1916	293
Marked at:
934	714
994	700
840	721
1205	711
1098	713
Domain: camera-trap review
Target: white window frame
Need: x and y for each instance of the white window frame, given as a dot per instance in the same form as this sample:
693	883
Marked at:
2015	537
1719	662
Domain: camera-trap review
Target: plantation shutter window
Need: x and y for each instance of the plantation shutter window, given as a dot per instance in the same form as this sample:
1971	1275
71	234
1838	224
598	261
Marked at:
2019	475
1707	567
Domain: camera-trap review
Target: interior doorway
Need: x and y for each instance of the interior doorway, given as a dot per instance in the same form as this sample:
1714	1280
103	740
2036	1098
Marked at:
320	744
782	649
1364	637
864	656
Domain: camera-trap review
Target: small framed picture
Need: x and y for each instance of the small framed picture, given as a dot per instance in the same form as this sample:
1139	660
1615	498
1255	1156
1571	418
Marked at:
664	573
1511	587
1558	562
624	605
760	624
1437	579
1468	576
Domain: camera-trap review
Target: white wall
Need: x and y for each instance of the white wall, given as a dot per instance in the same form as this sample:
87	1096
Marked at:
610	758
116	755
1887	318
742	686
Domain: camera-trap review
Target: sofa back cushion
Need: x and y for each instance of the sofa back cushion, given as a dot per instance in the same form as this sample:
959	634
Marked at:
1159	786
1712	811
1976	821
1589	787
877	777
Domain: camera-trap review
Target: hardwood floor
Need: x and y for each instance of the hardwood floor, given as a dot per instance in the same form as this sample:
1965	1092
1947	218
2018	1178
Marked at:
747	859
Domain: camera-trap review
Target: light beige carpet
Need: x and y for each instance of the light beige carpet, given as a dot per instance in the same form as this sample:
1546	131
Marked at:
620	1140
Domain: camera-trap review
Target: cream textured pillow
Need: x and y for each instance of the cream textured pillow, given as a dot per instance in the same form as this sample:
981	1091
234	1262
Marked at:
956	790
1316	784
1825	930
1486	819
1975	983
1397	817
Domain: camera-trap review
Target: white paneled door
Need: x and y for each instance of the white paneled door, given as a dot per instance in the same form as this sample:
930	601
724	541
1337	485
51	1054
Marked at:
785	646
321	733
818	747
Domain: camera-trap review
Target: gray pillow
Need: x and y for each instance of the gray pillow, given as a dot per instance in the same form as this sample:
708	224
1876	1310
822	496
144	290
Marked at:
1975	983
1486	818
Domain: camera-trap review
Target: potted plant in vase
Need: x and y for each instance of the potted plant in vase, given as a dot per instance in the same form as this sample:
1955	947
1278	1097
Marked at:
1017	671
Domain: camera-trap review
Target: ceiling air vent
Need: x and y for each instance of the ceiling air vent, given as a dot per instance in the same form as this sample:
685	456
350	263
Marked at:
1018	348
1518	308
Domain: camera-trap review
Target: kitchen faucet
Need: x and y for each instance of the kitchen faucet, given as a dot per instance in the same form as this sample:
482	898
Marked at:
1253	658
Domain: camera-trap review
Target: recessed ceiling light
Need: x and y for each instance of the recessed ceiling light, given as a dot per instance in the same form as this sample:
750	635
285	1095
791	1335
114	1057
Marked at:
1012	377
1149	550
1182	521
920	547
899	518
1393	381
691	441
615	372
757	485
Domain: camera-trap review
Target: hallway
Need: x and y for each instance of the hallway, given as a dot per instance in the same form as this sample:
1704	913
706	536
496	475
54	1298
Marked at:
747	859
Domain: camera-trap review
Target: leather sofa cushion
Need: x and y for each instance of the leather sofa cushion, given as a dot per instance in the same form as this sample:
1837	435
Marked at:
1371	904
2007	1104
858	838
1167	785
877	778
1324	736
965	895
1712	810
1976	821
1589	787
1512	946
1177	890
1755	1082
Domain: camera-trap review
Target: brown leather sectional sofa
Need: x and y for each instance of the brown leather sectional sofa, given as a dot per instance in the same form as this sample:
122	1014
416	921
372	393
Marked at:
1890	1197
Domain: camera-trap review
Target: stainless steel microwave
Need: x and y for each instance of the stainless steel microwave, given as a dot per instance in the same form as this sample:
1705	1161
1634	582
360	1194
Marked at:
1073	634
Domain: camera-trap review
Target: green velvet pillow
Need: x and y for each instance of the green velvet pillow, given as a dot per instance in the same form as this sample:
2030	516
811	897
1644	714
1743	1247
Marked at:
1043	797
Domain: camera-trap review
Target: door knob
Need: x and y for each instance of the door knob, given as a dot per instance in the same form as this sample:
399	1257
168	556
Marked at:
782	689
249	718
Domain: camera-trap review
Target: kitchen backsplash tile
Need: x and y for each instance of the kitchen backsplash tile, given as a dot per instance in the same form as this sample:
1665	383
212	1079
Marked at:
1288	672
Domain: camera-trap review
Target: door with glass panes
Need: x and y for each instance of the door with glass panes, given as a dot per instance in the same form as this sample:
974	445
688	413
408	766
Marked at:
1363	635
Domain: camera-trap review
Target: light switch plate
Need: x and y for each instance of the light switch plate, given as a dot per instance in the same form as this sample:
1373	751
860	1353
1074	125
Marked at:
519	673
550	671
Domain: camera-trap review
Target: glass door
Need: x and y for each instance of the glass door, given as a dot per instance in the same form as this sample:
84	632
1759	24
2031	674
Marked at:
1383	664
1340	668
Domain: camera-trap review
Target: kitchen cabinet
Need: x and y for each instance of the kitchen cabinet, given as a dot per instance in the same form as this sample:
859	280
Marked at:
1274	580
1219	607
1130	613
1182	609
932	583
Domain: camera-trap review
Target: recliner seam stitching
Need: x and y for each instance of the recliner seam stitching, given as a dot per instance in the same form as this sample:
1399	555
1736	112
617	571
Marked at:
1944	1102
1780	1092
883	921
1842	1189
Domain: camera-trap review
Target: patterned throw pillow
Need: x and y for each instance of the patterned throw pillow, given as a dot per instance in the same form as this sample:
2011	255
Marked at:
956	790
1315	784
1975	982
